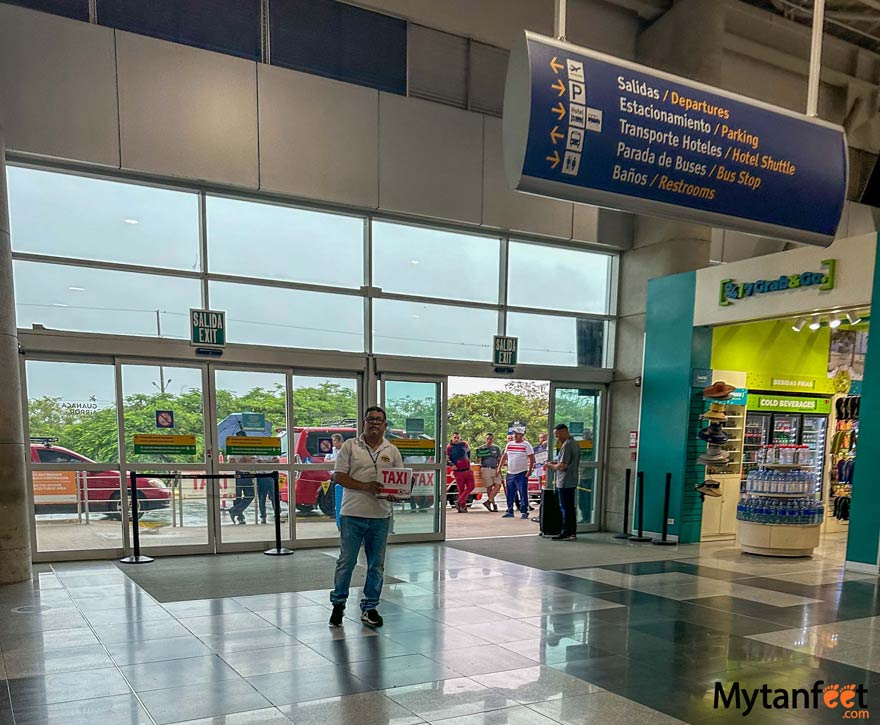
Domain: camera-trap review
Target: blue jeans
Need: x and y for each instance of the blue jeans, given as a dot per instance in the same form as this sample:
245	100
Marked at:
566	506
355	531
518	482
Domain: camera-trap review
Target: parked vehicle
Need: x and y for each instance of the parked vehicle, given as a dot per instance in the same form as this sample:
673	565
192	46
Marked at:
95	491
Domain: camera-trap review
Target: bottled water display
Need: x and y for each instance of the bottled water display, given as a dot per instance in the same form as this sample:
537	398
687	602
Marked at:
763	510
789	483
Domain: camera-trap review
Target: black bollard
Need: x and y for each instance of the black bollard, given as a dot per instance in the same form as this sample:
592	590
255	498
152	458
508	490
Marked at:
625	534
136	558
640	478
663	541
276	500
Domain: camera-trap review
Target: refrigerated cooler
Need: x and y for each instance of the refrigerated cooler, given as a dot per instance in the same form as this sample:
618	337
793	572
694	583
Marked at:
784	429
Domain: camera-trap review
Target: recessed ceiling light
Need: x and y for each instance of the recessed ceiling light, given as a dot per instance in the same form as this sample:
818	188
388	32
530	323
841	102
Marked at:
800	324
132	221
77	289
414	261
415	317
816	323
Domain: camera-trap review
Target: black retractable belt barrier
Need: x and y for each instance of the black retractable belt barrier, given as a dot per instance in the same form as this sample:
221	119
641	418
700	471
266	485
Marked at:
276	500
136	558
663	541
625	534
640	477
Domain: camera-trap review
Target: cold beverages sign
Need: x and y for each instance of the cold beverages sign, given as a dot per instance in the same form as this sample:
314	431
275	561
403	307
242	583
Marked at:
590	128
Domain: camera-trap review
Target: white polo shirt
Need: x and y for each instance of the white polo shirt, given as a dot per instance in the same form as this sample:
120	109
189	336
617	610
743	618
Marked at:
363	463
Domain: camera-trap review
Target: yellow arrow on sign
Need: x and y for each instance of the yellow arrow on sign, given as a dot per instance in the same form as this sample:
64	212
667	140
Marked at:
555	135
559	109
555	65
555	159
559	86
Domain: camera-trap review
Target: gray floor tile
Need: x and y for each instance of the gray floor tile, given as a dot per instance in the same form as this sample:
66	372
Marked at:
204	607
16	623
314	683
200	701
122	602
366	708
151	613
177	673
320	632
607	708
30	692
249	663
449	698
47	641
139	631
223	624
435	640
264	716
390	672
507	631
117	710
481	659
29	663
263	638
359	649
466	614
536	684
520	715
157	650
292	616
282	600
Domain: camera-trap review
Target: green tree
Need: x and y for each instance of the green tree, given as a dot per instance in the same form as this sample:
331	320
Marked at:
491	411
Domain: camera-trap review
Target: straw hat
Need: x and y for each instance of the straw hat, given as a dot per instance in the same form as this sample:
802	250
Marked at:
715	413
709	488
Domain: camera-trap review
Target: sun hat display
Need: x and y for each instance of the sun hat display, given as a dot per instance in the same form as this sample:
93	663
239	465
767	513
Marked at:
719	390
709	488
715	413
713	434
714	454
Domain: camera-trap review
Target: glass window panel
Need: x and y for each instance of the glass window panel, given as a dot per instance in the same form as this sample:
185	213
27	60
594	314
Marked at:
83	299
290	318
76	216
552	340
557	278
72	412
428	330
434	263
292	244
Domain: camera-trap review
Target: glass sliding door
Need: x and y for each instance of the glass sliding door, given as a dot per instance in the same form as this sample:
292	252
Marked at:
416	426
580	409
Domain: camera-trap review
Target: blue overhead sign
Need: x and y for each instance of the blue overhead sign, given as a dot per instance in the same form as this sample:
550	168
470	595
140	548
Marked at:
590	128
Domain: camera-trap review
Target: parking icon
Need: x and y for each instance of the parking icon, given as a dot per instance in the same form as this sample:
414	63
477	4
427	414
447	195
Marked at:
577	115
577	92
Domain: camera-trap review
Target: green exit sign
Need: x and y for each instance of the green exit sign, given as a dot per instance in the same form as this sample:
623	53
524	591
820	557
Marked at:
208	327
504	350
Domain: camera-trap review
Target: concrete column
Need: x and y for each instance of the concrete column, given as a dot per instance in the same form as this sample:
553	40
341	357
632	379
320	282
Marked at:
661	247
15	546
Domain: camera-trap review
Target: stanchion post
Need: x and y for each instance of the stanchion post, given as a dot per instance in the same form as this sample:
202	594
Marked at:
136	534
663	540
625	534
276	501
640	537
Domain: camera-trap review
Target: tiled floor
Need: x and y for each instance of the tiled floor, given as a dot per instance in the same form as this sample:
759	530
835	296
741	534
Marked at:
623	636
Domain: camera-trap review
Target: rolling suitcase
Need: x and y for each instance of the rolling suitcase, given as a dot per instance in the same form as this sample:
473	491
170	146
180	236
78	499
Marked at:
551	516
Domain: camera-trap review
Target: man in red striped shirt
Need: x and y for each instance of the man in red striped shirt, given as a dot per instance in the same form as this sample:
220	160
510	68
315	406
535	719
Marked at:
520	459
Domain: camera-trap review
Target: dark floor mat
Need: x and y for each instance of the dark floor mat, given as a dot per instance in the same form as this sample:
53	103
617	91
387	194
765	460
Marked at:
182	578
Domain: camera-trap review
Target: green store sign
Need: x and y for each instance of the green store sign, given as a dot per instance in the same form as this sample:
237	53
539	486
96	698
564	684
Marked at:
788	404
731	290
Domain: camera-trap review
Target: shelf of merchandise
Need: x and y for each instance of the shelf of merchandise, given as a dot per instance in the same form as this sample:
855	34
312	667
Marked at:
777	539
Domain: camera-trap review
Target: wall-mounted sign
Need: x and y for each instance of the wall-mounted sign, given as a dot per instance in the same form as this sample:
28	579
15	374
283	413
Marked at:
415	426
158	444
790	383
504	350
633	439
164	418
207	327
253	446
576	427
54	487
788	404
701	377
590	128
823	280
414	446
253	421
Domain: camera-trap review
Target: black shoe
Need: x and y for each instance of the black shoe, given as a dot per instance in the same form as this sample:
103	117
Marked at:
338	614
263	520
372	618
232	515
241	520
